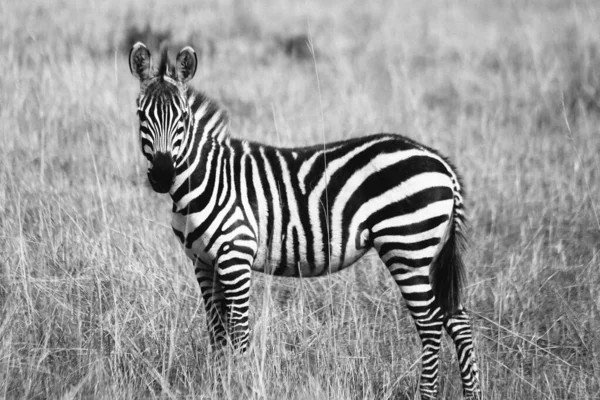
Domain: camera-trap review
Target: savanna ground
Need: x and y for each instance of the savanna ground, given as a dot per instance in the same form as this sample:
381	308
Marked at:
96	298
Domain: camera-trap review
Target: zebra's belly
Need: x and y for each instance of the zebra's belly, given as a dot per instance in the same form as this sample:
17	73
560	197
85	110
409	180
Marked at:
288	257
296	264
299	248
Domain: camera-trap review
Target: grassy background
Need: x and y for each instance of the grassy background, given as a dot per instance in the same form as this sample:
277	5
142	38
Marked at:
97	299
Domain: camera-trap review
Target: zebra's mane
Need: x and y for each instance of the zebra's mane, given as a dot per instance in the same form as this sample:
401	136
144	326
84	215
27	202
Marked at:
165	67
199	99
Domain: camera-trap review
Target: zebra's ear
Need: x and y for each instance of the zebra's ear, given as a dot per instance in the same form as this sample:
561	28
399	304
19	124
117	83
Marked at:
140	62
186	64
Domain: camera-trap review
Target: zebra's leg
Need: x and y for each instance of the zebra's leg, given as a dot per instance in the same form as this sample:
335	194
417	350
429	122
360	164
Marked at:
418	294
234	273
458	327
214	304
412	277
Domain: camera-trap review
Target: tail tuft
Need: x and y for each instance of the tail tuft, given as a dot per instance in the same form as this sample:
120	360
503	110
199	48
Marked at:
448	271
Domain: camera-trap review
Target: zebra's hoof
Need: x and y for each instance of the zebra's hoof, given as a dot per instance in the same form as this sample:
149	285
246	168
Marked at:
473	396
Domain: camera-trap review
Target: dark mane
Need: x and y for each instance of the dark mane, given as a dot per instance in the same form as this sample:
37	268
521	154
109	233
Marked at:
165	67
212	105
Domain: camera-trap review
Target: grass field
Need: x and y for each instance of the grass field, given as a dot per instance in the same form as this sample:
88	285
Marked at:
96	298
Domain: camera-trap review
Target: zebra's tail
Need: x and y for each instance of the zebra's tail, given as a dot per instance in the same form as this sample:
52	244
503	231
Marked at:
448	270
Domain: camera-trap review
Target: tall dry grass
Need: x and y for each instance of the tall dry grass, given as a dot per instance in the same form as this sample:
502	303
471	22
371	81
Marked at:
96	298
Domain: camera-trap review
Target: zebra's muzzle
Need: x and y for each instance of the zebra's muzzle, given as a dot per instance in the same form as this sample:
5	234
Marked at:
162	173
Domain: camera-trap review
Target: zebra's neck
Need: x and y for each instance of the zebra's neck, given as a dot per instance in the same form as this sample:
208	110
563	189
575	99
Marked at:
208	119
204	138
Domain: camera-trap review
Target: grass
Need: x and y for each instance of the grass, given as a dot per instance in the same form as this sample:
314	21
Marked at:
96	298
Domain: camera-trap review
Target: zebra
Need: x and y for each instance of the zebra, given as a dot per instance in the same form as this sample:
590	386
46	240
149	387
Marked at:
241	206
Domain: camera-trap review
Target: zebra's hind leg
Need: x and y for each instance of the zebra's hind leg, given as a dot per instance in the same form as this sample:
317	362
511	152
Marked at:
409	264
417	292
214	304
458	327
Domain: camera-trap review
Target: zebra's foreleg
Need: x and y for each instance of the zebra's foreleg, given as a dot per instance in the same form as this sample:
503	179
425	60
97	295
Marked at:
214	304
234	276
458	327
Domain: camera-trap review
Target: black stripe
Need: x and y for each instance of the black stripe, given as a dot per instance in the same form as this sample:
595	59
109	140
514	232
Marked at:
179	235
296	243
423	244
416	228
409	262
413	280
251	194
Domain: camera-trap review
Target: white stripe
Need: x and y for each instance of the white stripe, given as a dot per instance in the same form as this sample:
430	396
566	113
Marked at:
146	136
251	244
430	251
410	272
419	237
232	268
419	288
419	303
225	180
237	289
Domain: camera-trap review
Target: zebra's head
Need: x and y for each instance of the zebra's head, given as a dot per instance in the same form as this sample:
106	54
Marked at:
163	110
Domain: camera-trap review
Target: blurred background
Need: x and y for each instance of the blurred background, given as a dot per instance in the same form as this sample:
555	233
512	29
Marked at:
98	301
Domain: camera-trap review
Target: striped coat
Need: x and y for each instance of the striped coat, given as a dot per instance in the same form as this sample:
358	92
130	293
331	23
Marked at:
240	206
